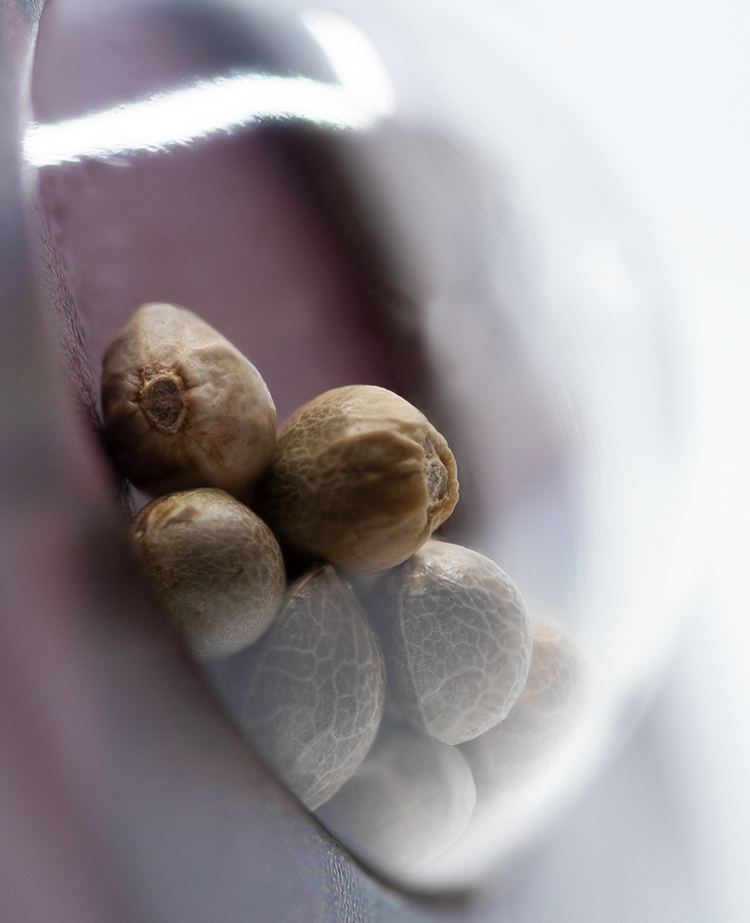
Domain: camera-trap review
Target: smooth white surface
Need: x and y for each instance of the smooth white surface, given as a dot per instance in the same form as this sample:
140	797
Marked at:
661	90
617	856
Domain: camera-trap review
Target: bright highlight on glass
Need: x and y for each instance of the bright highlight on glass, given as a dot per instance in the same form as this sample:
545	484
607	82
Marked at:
355	62
227	103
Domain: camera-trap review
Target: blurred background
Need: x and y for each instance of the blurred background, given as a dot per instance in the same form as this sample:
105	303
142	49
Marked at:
659	94
662	91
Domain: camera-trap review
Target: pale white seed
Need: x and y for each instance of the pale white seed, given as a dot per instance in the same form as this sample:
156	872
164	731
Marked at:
457	641
183	407
515	753
310	696
409	801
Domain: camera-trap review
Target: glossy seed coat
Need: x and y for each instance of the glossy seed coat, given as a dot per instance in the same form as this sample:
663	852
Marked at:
409	801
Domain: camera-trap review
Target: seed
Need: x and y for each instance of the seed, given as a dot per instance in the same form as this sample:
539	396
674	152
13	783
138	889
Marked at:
407	803
516	752
456	638
182	407
359	478
216	565
310	695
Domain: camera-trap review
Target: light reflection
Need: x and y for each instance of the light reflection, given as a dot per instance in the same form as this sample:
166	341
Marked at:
353	59
227	103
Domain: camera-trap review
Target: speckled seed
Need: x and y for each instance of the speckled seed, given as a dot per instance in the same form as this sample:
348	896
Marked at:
216	565
516	752
359	478
409	801
310	696
182	407
457	641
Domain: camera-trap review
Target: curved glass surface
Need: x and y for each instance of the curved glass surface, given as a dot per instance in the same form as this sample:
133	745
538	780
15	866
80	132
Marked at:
378	196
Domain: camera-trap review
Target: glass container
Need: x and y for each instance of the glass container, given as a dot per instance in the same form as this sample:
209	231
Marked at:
382	194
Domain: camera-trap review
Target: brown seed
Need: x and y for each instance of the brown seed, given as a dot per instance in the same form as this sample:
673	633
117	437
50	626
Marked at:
216	565
359	478
310	695
456	638
182	407
516	752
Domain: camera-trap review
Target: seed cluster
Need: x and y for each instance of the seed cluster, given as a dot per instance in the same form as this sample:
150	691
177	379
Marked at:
350	490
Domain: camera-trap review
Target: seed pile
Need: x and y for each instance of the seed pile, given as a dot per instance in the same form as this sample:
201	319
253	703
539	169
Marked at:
350	490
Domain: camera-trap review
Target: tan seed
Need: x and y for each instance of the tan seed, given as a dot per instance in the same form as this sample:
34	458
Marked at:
182	407
359	478
216	565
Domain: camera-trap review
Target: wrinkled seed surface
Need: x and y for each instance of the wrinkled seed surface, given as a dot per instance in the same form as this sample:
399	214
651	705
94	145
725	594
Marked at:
359	478
216	565
514	753
182	407
457	640
311	696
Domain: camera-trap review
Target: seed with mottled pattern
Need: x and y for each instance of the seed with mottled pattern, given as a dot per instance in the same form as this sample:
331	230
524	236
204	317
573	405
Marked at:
310	695
517	751
359	478
182	407
457	641
216	565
